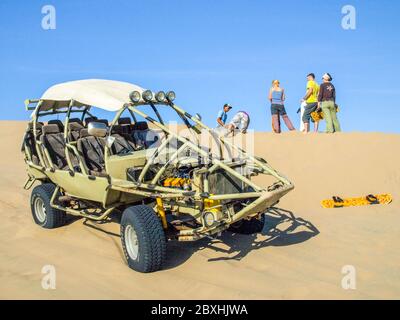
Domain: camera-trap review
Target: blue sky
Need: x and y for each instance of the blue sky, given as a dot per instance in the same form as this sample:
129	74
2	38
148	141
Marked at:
209	52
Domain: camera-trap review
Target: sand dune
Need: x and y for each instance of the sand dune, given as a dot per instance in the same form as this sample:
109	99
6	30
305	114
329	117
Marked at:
300	253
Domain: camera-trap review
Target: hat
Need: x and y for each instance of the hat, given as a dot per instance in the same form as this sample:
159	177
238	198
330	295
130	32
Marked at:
327	76
227	105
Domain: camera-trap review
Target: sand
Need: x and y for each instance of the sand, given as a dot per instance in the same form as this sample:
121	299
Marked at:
299	255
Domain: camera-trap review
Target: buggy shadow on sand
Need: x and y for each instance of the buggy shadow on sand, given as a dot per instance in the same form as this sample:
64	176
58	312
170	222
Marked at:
281	228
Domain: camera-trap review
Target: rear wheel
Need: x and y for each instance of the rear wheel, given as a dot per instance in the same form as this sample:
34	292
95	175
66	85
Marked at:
143	239
254	225
43	213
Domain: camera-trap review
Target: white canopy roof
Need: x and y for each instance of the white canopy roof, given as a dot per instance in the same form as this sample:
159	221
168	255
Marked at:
106	94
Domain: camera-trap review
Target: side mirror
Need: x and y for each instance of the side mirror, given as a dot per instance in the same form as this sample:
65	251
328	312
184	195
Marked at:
197	116
97	129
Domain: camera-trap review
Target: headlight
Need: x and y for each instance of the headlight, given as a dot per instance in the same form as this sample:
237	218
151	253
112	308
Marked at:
171	96
135	96
147	95
209	218
160	96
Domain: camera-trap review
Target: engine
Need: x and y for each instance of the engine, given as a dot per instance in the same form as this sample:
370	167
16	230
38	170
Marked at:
181	175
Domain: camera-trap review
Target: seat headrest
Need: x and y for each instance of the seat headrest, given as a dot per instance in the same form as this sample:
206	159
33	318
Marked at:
76	120
89	119
141	125
105	121
84	133
126	120
50	129
75	126
39	125
58	123
116	129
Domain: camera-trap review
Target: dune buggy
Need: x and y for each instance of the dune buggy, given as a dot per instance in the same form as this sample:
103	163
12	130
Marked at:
161	184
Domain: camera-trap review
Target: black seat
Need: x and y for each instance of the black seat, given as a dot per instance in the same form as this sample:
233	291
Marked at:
92	150
141	125
124	121
89	119
76	120
74	130
39	126
29	141
54	142
143	136
57	122
105	121
123	142
125	125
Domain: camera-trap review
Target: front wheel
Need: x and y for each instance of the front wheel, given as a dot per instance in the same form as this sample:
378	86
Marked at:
254	225
143	239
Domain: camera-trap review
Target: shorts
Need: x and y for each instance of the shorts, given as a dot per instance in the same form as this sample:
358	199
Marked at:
278	109
240	121
308	109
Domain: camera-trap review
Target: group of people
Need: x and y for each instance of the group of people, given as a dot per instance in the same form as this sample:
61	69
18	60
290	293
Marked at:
318	99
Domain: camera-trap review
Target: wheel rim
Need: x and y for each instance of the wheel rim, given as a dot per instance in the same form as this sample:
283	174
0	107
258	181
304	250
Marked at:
40	210
131	242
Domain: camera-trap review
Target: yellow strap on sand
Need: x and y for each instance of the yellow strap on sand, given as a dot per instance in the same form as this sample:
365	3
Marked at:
361	201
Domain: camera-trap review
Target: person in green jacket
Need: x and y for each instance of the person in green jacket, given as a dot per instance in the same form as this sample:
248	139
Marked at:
327	102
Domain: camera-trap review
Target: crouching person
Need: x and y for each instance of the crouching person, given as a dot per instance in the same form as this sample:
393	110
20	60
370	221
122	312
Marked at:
240	121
